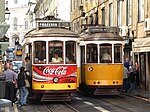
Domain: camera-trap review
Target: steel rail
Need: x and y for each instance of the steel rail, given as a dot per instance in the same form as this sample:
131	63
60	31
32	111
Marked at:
71	107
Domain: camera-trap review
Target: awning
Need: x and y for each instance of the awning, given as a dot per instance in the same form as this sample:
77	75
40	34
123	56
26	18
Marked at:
141	45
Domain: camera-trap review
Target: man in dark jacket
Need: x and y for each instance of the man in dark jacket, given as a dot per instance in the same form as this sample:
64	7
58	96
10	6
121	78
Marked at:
10	78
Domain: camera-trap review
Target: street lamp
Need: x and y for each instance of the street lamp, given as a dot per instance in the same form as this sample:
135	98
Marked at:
7	12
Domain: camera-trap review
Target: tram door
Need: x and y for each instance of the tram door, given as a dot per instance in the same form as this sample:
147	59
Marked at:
82	64
143	71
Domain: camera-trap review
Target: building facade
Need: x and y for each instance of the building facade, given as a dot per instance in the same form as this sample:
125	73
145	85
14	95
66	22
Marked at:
17	20
133	19
83	12
57	8
141	44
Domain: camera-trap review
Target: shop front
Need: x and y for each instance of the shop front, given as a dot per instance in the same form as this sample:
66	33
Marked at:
141	54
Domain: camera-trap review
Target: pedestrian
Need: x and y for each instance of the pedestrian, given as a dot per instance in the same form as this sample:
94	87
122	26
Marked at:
16	87
126	63
29	73
136	72
22	87
10	79
125	80
131	76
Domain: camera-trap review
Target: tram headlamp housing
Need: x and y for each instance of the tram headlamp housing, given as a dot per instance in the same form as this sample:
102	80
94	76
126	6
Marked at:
55	79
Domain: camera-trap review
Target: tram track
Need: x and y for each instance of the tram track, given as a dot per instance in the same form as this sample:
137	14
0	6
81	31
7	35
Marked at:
64	107
71	107
122	101
49	110
137	97
116	105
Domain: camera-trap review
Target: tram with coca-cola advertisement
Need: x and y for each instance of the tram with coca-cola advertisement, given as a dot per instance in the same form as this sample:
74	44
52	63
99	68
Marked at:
52	48
101	60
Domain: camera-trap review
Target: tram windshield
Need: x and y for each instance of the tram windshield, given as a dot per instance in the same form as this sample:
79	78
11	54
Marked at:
56	52
105	53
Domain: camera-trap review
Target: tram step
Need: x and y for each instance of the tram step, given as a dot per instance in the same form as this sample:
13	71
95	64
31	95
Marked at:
56	97
106	91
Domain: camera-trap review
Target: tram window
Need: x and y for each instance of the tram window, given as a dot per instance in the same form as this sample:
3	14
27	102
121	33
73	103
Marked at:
70	52
39	52
92	53
55	52
118	53
105	53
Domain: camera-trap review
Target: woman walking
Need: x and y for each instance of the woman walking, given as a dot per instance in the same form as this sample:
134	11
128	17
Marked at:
22	87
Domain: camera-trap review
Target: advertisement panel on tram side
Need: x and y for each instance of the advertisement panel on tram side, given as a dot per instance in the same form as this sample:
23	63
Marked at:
55	74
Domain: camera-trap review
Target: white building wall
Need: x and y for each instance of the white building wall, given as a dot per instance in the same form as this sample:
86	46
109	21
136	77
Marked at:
64	9
17	10
57	8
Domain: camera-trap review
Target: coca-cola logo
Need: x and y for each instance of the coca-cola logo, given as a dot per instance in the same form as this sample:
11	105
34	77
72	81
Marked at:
55	71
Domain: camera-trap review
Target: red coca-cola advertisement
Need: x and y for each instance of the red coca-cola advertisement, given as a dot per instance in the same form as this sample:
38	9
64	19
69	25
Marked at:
55	74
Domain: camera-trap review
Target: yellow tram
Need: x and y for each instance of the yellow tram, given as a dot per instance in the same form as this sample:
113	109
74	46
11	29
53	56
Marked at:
101	60
53	50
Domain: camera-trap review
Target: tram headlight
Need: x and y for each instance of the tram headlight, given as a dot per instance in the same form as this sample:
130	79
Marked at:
55	79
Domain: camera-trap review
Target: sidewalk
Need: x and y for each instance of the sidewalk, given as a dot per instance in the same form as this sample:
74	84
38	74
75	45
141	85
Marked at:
139	93
5	105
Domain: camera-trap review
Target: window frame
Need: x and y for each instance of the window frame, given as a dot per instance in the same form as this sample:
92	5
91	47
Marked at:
55	49
34	53
95	54
120	53
74	61
110	52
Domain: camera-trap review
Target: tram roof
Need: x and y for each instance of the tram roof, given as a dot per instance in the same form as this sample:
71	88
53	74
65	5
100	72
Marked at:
51	32
101	36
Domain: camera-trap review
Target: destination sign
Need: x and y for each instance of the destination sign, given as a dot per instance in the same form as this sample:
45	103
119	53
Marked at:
98	30
47	24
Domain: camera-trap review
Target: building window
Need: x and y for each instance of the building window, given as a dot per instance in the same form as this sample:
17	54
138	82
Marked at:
96	18
91	19
103	16
15	1
26	25
15	24
110	14
140	10
129	12
75	1
78	26
74	26
71	5
119	14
